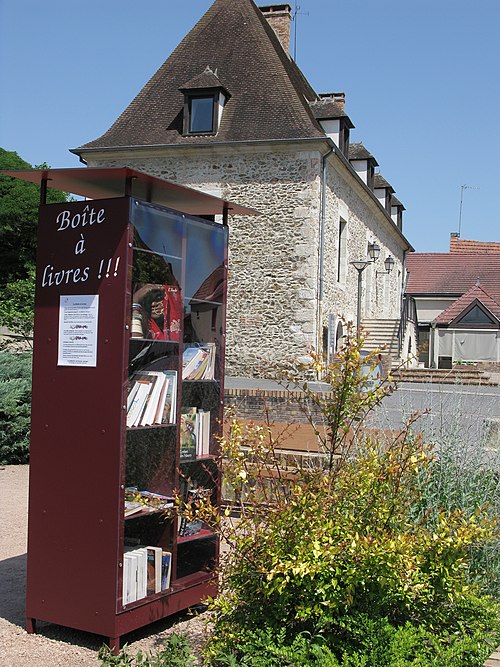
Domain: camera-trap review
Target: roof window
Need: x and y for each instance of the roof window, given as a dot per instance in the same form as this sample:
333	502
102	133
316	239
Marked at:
204	101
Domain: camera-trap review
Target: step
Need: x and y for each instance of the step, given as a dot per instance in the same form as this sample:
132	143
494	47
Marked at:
444	376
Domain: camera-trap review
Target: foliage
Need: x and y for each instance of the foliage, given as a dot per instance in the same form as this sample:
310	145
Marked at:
19	202
17	306
371	642
465	476
175	653
15	397
326	551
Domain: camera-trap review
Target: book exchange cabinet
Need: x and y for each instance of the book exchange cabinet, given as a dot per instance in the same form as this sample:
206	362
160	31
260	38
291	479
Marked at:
127	404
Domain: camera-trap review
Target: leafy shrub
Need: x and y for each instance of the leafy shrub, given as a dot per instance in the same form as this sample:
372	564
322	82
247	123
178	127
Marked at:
175	653
347	552
15	407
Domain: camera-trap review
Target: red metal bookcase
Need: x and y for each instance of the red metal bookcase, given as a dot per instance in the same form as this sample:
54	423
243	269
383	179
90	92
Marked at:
82	455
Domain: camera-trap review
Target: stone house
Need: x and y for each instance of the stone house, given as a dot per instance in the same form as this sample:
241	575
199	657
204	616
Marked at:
230	113
457	296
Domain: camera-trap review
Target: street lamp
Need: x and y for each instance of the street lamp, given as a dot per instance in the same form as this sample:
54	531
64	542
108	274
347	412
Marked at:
360	266
389	265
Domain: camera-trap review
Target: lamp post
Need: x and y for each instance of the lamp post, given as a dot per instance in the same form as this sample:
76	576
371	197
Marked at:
360	266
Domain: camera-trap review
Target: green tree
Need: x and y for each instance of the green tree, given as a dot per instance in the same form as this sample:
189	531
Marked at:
19	201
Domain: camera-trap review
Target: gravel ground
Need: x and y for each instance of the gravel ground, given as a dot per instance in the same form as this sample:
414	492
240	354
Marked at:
53	646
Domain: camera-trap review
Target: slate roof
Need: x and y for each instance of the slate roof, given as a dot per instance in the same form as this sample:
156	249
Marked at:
269	94
380	182
395	202
328	108
452	274
207	79
458	306
359	152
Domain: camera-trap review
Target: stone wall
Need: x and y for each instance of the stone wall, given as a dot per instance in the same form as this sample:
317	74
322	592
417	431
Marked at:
273	258
274	268
381	293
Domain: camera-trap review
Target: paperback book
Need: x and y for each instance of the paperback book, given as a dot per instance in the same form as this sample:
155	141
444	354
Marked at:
152	398
198	363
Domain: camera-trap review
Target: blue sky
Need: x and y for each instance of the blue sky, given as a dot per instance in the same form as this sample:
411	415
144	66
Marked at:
421	77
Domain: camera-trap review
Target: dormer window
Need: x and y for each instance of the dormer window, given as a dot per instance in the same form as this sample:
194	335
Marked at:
204	101
329	112
201	114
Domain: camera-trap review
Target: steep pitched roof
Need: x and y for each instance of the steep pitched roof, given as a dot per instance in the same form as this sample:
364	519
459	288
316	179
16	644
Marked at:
476	293
269	94
453	274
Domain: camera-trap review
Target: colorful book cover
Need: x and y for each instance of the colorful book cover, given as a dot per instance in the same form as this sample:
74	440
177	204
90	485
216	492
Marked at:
188	434
166	567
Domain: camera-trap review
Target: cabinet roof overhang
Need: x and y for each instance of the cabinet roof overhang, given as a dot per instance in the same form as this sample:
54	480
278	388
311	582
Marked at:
112	182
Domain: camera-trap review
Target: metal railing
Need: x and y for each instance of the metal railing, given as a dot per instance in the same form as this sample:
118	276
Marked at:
408	314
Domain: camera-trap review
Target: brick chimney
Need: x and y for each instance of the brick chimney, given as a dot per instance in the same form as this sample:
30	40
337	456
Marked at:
279	18
338	98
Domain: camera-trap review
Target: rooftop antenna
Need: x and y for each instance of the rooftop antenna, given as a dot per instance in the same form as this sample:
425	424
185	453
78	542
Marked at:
462	188
296	12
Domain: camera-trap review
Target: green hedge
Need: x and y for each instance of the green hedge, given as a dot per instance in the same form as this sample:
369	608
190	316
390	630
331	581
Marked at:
15	407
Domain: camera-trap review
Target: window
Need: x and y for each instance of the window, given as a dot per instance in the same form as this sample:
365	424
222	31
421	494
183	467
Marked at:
201	114
204	100
476	316
342	251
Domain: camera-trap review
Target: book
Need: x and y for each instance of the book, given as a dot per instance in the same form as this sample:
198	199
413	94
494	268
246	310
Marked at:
195	433
136	573
170	403
202	432
142	572
132	507
137	404
188	434
149	414
191	492
130	566
152	398
126	595
154	570
166	569
198	363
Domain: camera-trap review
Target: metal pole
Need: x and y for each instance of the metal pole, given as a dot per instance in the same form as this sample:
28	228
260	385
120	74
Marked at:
358	318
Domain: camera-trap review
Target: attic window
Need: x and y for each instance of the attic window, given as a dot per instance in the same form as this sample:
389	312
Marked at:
204	101
201	114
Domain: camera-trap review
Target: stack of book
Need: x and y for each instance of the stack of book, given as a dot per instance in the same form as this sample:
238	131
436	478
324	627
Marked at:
195	433
152	398
145	501
146	571
198	363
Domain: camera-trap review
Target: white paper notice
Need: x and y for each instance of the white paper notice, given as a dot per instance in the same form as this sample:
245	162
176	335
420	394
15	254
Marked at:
78	318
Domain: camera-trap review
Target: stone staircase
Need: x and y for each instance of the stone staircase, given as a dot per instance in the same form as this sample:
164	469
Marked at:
383	335
456	375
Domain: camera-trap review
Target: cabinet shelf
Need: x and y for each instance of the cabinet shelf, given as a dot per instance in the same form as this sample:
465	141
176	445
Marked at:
202	535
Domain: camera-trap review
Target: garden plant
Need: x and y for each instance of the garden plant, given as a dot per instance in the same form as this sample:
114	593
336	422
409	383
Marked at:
355	561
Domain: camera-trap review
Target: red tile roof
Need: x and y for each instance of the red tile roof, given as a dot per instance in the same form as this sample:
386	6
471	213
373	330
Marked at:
440	274
458	306
462	245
